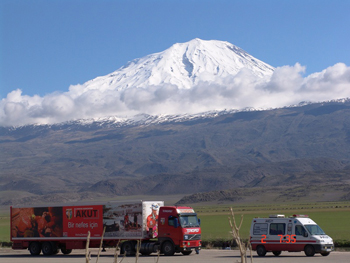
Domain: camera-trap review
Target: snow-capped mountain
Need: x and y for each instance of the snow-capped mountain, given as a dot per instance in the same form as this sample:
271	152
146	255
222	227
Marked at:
193	78
183	65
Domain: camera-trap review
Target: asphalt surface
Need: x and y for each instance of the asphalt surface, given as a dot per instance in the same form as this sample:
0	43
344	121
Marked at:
212	255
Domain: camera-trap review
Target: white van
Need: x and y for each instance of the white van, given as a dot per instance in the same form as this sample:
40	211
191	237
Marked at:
296	233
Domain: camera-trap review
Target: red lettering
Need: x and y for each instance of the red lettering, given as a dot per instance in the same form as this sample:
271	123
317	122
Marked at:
294	238
288	238
281	238
86	213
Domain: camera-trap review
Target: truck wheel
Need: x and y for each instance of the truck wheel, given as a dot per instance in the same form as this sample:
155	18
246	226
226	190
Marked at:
186	253
66	251
309	251
47	248
34	248
127	248
261	251
168	248
277	253
325	254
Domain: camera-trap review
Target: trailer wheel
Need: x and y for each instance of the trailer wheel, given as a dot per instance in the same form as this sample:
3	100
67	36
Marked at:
47	248
261	251
309	251
168	248
34	248
128	248
325	254
66	251
277	253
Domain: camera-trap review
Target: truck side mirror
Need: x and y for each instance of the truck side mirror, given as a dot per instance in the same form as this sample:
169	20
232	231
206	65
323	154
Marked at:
306	234
176	222
199	221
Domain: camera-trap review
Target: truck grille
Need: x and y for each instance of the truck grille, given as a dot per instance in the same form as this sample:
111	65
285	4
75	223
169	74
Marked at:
194	237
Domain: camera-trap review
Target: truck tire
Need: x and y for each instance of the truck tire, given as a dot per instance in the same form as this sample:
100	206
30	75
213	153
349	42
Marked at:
309	251
168	248
186	253
47	248
261	251
128	248
34	248
277	253
66	251
325	254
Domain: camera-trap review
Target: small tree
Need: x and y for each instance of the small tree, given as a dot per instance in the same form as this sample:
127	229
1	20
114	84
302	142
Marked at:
235	233
87	253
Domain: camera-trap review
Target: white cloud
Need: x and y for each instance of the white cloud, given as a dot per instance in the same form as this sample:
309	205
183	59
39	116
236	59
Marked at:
287	86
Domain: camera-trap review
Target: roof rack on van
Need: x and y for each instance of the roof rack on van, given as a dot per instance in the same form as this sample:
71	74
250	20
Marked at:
276	216
301	216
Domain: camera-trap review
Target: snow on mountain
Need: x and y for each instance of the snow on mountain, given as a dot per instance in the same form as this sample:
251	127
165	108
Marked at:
185	81
183	65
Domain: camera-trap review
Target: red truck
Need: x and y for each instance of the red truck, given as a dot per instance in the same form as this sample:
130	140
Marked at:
168	229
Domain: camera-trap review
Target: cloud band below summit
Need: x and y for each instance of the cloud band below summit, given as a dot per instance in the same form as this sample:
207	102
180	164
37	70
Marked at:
285	87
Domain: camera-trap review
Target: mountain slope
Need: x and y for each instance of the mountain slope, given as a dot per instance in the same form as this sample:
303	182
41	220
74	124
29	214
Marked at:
183	65
295	146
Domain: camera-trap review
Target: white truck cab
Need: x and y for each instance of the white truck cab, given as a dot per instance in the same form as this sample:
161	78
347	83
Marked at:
296	233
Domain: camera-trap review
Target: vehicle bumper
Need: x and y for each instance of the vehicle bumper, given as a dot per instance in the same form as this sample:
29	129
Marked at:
324	248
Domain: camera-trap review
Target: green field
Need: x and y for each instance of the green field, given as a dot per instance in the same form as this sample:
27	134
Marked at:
4	227
332	217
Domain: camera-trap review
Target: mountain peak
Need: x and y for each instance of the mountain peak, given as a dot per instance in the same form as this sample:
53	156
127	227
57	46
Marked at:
183	65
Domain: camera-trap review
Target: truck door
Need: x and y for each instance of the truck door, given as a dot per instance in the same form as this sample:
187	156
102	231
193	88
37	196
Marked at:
170	228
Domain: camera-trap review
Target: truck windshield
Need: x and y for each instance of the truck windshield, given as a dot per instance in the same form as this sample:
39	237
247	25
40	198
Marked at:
189	221
315	230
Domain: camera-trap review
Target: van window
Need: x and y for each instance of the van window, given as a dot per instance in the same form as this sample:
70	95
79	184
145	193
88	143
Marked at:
277	229
315	230
299	230
260	229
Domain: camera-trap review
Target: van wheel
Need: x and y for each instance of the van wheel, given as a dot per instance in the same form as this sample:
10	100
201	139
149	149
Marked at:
34	248
325	254
261	251
277	253
168	249
309	251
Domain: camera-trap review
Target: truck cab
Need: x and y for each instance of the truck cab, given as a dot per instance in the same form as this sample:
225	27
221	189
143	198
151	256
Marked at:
178	230
296	233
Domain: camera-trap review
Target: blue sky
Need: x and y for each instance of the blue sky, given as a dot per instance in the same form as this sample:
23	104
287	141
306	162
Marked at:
48	45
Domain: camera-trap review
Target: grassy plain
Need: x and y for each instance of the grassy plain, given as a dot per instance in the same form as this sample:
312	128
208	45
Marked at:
332	217
4	226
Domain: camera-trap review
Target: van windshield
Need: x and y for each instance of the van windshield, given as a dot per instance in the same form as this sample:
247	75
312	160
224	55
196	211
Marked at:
315	230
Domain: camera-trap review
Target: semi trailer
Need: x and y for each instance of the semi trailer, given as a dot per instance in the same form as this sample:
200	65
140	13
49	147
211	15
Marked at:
159	228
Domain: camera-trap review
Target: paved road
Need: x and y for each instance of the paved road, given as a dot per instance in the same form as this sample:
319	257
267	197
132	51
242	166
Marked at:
213	255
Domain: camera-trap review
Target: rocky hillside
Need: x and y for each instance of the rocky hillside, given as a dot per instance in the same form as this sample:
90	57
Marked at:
304	146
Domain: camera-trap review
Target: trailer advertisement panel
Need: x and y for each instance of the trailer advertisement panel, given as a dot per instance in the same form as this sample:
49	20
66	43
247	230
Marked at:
150	220
123	220
78	220
32	222
131	220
